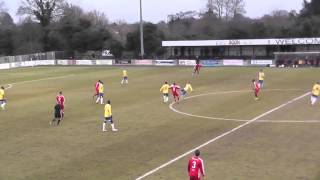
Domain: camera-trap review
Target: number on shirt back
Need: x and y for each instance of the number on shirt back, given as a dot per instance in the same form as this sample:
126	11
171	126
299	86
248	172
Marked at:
194	164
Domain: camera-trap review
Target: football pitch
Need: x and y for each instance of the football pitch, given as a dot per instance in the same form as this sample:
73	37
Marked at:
274	138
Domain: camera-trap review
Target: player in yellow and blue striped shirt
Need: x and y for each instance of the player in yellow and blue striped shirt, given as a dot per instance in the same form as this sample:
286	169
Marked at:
2	98
186	89
124	77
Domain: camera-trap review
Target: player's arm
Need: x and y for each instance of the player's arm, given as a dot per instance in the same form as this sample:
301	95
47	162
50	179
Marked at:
161	89
189	167
202	168
191	89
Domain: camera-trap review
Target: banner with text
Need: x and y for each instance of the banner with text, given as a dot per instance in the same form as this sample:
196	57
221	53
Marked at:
261	62
142	62
211	63
233	62
166	62
187	62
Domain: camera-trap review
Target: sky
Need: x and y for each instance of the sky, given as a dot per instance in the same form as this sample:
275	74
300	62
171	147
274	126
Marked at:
157	10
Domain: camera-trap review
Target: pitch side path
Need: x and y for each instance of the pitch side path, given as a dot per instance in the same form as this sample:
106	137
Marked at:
220	136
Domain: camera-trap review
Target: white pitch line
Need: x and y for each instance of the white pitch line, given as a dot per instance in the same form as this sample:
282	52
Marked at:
221	136
239	120
242	120
9	86
36	80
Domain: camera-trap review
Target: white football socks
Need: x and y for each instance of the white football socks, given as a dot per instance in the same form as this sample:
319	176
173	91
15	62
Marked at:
113	129
3	106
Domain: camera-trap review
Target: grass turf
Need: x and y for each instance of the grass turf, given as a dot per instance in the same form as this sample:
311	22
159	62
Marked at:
150	134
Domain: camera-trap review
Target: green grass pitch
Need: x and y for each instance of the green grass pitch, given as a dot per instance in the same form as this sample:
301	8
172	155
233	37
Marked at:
150	133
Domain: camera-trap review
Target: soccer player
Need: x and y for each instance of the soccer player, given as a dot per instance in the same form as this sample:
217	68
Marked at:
195	165
108	117
175	88
124	77
256	89
97	89
315	93
165	91
186	89
58	114
261	77
101	93
2	98
196	69
61	100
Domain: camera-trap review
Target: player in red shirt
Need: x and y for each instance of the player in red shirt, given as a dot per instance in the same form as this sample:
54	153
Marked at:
61	100
195	165
256	88
175	92
196	69
97	89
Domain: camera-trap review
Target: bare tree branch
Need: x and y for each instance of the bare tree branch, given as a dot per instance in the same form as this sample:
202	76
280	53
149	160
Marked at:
43	10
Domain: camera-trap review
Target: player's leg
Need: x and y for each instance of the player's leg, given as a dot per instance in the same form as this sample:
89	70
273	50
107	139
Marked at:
104	125
101	98
256	94
126	78
3	104
313	100
166	97
122	81
98	99
52	122
112	125
59	120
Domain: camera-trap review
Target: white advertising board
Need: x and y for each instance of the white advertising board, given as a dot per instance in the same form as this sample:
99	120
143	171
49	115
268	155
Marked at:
261	62
165	62
84	62
233	62
187	62
143	62
104	62
5	66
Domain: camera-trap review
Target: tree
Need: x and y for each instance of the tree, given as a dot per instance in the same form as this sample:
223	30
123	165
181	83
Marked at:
43	10
152	40
226	8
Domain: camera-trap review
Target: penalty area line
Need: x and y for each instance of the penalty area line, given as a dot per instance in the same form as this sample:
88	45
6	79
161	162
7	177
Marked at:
36	80
221	136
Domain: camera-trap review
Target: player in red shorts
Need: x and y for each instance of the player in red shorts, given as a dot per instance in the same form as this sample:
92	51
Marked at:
175	92
61	100
196	69
256	88
195	165
97	89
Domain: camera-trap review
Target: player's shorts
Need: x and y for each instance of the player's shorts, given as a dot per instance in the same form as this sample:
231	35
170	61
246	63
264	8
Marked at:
184	92
175	94
97	92
256	90
57	115
260	81
125	78
3	101
101	94
108	119
166	94
194	178
62	107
